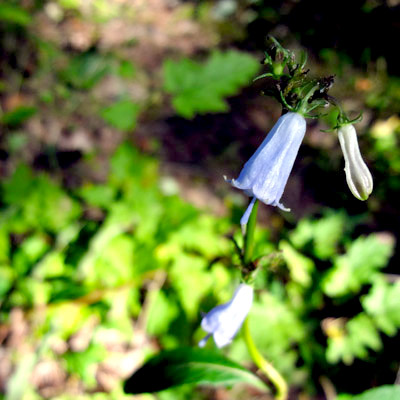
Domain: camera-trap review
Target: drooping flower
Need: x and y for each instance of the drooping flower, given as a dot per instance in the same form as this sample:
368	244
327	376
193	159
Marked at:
265	174
225	320
358	177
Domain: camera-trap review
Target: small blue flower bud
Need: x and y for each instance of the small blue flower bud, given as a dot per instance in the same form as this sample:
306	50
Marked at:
265	174
358	177
224	321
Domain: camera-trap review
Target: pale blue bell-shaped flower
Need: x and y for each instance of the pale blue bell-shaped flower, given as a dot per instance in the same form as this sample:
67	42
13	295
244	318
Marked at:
265	174
225	320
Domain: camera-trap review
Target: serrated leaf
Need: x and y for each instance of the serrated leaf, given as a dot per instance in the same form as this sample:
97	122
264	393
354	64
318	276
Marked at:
201	88
121	115
359	335
188	366
365	256
324	234
383	304
387	392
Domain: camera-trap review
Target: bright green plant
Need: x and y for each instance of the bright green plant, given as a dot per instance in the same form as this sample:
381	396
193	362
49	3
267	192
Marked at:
200	88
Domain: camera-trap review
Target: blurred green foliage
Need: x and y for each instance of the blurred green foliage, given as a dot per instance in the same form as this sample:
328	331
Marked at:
122	115
201	88
129	259
70	269
14	14
386	392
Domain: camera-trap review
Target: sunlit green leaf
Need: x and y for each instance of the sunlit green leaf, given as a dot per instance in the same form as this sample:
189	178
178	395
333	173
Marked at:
98	195
324	234
383	304
201	88
83	363
121	115
364	257
359	335
161	312
300	267
7	276
191	281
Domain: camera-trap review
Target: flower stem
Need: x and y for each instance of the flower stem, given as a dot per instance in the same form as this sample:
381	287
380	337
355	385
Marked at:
266	367
249	236
303	109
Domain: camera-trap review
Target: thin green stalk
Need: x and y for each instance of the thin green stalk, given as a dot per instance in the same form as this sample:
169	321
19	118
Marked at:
266	367
304	102
249	236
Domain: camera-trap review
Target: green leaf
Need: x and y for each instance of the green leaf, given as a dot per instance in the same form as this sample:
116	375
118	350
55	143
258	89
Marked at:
121	115
128	164
7	276
85	70
51	266
18	115
300	266
358	335
162	311
365	256
37	202
18	186
191	280
324	233
14	14
126	69
49	207
29	252
387	392
83	363
98	195
201	88
383	304
188	366
327	233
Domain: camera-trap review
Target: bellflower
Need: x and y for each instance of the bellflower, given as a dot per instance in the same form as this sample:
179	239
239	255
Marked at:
265	174
225	320
358	177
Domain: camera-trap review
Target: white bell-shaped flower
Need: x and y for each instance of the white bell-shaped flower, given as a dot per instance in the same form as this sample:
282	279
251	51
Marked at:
225	320
265	174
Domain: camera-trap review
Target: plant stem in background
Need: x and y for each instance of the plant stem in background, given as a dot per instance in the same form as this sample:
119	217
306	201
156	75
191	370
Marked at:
266	367
249	235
